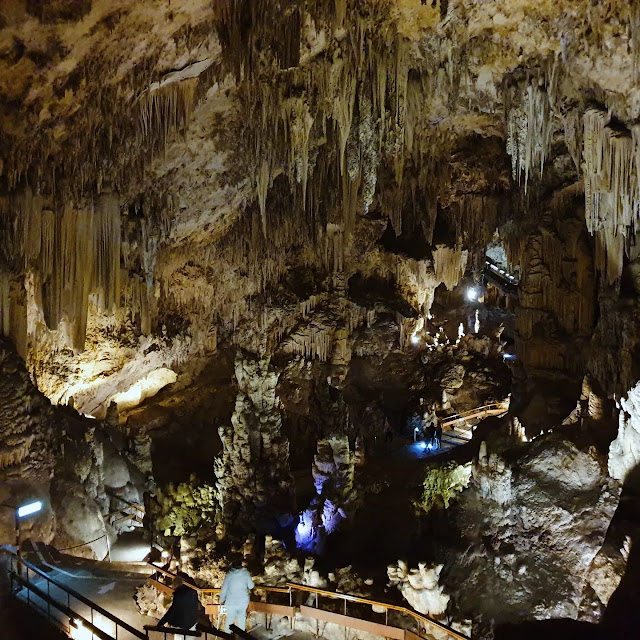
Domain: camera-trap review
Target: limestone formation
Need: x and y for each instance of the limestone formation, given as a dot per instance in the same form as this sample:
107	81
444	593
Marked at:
253	472
624	452
333	474
369	211
557	504
419	587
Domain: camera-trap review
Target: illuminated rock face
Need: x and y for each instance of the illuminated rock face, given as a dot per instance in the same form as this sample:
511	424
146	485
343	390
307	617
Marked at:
420	587
534	529
333	472
300	182
53	455
254	481
624	453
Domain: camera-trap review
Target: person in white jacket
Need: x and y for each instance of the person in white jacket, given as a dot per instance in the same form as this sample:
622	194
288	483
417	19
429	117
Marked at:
235	595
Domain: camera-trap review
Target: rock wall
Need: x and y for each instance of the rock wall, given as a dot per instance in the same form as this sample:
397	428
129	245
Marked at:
534	519
624	452
54	455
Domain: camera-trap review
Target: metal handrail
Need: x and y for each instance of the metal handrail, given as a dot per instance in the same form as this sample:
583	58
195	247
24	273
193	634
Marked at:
71	592
215	590
135	505
346	597
375	603
493	406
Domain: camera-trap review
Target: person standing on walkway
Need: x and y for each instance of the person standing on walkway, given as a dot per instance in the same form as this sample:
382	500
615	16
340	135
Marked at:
185	607
431	436
235	594
438	431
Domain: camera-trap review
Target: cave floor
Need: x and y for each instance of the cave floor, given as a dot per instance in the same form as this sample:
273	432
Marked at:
130	547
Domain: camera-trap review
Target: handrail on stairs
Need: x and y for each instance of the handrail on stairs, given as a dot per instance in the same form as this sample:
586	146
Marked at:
135	505
20	567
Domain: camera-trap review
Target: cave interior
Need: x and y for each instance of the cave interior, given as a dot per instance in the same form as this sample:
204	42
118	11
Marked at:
253	253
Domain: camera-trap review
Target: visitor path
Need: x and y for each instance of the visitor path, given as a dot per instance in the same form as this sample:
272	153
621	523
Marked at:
94	600
90	599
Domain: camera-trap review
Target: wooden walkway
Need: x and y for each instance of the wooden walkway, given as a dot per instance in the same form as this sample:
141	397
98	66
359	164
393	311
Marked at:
463	423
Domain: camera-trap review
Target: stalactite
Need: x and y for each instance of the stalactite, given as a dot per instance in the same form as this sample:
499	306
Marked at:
573	137
449	265
476	217
165	107
71	254
529	129
612	188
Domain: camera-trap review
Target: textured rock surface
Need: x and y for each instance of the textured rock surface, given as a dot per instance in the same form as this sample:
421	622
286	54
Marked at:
253	472
314	185
624	453
419	587
534	522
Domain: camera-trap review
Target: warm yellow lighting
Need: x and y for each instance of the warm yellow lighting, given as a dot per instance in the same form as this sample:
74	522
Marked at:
147	387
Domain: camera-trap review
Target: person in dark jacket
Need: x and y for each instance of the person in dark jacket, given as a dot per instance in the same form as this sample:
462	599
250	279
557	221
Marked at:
185	608
431	436
438	434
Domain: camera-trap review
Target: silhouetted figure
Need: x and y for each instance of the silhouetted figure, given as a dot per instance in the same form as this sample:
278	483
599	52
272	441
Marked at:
388	436
235	595
431	435
185	608
438	434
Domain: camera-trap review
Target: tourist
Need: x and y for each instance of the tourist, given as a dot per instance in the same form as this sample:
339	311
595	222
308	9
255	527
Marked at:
185	607
431	435
235	594
438	434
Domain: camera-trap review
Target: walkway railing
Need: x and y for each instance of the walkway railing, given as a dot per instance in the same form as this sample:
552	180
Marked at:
492	409
75	614
63	606
342	615
131	511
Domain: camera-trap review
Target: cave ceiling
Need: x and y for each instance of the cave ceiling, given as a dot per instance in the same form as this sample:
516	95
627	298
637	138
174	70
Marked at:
177	176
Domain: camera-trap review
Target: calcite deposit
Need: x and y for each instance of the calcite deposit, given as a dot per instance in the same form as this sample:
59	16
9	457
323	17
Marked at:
247	246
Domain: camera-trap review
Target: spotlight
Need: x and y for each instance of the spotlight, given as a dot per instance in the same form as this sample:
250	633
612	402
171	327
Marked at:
165	554
423	445
415	339
508	356
430	446
472	294
28	509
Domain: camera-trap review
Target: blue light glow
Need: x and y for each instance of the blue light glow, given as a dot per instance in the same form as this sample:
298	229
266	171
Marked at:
28	509
430	446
